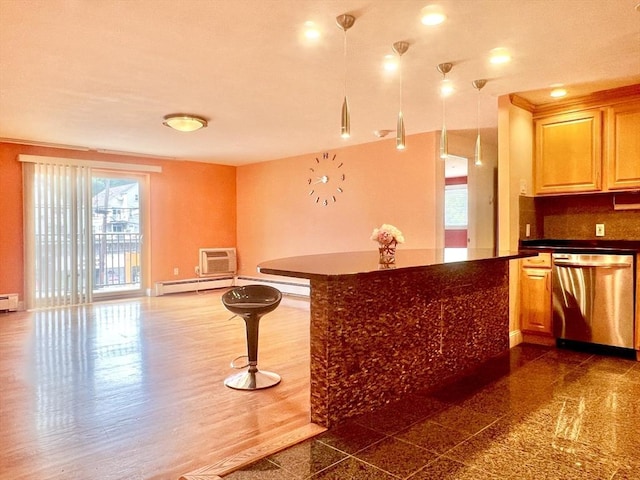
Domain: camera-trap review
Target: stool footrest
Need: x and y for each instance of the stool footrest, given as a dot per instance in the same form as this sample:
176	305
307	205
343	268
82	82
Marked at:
238	367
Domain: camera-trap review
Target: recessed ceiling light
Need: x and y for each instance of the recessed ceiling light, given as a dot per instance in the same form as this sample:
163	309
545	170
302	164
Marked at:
390	63
432	15
558	92
311	31
184	122
499	55
446	87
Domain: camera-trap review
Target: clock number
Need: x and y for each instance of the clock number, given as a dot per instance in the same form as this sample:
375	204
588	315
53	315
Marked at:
325	203
325	155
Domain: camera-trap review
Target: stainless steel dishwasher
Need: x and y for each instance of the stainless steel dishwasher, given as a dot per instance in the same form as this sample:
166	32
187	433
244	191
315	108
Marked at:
593	299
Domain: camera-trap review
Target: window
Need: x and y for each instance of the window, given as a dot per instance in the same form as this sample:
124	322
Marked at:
456	206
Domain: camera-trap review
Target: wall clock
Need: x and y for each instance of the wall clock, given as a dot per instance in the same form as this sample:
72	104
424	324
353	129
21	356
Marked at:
326	179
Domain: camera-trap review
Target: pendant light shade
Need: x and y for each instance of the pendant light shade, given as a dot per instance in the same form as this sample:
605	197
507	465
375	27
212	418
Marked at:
345	120
345	22
478	84
400	48
444	68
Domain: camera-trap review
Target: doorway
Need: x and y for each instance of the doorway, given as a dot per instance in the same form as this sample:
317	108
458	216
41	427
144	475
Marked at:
456	202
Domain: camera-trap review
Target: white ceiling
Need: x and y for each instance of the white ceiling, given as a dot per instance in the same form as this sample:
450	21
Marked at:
102	74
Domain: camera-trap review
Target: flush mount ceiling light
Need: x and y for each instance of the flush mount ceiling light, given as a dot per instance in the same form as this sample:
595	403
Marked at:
345	22
184	122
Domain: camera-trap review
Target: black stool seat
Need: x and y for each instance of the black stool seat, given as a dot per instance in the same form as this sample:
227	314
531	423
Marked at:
251	302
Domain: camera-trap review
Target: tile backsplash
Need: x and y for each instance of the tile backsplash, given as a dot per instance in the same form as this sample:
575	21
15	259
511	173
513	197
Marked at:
576	216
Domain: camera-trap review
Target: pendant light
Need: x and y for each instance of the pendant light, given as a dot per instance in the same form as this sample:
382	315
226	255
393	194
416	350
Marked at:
478	84
345	22
400	48
444	68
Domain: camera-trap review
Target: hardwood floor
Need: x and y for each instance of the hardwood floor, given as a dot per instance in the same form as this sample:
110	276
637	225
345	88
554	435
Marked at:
134	388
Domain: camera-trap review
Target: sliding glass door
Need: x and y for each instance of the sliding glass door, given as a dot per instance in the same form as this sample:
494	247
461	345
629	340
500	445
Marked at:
83	232
117	226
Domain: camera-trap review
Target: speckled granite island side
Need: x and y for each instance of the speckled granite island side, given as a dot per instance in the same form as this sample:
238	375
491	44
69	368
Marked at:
380	333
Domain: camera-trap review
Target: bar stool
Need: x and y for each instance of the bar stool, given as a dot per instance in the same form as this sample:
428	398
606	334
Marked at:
251	302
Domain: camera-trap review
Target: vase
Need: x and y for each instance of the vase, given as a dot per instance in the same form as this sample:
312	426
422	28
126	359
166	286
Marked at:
387	253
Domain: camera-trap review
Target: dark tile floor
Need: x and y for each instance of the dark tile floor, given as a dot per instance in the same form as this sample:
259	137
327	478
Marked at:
535	413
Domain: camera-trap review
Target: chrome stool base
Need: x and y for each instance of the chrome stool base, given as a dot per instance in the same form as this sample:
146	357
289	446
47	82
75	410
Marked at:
252	380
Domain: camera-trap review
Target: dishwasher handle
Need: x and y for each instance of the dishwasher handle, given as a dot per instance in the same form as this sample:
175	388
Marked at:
569	264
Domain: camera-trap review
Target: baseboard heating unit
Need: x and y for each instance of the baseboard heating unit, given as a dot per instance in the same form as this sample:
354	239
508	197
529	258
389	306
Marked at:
192	285
9	302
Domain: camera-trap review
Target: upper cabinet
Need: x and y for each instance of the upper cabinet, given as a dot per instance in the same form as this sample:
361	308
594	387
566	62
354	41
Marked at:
568	152
623	151
591	144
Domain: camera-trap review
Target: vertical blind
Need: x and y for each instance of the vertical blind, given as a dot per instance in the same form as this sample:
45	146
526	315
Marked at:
58	231
57	237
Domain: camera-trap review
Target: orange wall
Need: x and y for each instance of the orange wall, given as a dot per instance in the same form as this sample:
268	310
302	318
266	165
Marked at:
277	217
193	205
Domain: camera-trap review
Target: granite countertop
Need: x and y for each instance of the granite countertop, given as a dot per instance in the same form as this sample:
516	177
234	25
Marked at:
354	263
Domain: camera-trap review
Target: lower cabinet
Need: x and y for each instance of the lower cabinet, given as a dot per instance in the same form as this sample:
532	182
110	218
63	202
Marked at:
535	300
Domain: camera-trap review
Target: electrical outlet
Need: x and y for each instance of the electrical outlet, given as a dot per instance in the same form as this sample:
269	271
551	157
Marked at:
599	229
523	187
176	271
527	230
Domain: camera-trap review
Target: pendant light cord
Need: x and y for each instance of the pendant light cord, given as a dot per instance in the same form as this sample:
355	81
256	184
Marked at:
400	68
345	63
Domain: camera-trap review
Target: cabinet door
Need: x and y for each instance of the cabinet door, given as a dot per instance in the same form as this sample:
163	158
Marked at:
535	300
623	152
568	156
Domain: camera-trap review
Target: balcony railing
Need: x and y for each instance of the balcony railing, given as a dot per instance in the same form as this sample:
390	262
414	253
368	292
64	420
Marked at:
117	261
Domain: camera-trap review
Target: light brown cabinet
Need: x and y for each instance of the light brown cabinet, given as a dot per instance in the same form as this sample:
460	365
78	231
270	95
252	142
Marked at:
588	146
568	154
623	147
535	295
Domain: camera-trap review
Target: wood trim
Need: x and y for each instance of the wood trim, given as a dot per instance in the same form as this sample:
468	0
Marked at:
234	462
637	333
523	103
602	99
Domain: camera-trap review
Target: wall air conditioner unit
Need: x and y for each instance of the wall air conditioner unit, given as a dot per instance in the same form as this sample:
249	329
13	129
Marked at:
217	261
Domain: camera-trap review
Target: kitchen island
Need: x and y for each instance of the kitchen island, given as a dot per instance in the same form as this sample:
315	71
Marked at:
379	332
